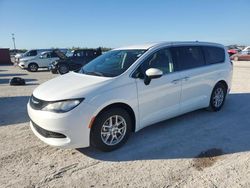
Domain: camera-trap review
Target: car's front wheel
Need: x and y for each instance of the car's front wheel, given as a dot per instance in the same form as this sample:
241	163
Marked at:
111	129
63	69
32	67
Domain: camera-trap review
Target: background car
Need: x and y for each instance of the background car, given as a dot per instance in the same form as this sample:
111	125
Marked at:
246	50
241	57
30	54
41	61
74	62
233	50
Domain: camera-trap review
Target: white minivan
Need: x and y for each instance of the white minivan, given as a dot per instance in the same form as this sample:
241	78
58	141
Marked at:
127	89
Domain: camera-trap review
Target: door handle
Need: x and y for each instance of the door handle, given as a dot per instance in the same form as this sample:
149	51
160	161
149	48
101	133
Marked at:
175	81
186	78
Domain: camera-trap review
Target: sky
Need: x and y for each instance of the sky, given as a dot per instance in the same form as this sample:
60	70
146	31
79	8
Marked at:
114	23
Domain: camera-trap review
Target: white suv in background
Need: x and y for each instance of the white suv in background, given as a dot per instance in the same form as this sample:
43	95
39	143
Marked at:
40	61
30	54
127	89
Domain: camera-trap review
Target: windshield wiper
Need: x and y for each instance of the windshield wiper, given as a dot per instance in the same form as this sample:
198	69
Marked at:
94	73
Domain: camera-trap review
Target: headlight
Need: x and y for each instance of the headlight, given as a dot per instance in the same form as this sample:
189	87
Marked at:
62	106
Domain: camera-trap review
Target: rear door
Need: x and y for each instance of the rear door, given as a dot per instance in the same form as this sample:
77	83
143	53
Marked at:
160	99
46	59
196	85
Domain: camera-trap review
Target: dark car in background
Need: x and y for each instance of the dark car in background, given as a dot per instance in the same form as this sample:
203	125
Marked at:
75	62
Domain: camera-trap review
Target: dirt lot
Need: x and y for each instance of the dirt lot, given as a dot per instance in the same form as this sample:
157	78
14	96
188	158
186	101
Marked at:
199	149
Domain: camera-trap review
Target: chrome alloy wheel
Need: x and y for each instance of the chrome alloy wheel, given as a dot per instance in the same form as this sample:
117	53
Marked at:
113	130
218	97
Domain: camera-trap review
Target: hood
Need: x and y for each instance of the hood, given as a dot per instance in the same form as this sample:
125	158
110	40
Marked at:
60	54
68	86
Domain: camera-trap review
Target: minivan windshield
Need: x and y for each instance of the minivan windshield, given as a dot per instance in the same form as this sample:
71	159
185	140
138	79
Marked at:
112	63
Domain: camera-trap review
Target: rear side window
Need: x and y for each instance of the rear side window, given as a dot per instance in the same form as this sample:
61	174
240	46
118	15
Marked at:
90	53
188	57
214	55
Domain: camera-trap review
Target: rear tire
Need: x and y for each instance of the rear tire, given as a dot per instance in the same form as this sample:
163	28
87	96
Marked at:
32	67
218	97
63	69
111	129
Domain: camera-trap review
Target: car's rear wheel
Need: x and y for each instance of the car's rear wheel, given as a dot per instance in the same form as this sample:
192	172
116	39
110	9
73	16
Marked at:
63	69
218	97
111	129
32	67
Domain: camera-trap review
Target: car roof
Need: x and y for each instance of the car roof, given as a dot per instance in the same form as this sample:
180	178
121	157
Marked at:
147	46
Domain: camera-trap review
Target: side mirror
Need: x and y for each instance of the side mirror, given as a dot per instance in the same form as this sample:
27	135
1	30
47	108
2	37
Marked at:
41	57
152	73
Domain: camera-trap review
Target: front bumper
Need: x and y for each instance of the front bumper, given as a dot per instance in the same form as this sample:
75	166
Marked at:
73	125
52	68
22	65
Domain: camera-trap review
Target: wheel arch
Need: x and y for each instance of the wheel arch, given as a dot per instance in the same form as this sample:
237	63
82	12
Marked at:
125	107
222	82
33	62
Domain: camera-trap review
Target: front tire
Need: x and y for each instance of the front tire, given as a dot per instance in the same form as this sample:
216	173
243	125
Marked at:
111	129
32	67
63	69
218	97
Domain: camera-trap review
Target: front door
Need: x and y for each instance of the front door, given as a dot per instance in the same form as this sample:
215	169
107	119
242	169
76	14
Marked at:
160	99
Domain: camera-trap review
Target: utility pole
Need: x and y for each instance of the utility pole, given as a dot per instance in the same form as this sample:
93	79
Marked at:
13	38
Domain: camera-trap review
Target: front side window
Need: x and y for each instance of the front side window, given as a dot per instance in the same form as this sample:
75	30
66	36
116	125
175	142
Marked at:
214	55
188	57
78	54
112	63
31	53
161	59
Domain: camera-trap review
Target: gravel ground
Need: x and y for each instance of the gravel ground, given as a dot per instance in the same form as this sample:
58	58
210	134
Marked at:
198	149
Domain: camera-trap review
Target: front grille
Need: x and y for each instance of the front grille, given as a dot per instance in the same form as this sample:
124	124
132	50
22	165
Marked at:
36	103
46	133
